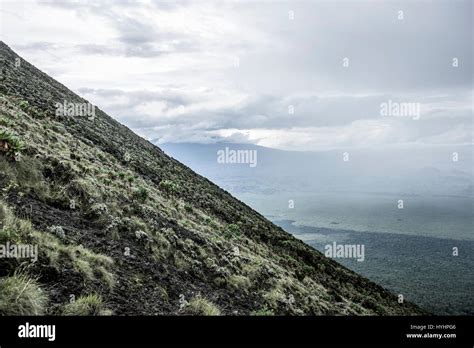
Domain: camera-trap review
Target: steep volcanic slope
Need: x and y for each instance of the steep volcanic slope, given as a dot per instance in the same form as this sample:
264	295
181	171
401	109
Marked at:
122	228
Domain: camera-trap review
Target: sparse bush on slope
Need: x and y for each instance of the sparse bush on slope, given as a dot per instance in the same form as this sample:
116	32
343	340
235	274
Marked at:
10	145
200	306
91	266
86	305
140	194
21	295
169	187
13	229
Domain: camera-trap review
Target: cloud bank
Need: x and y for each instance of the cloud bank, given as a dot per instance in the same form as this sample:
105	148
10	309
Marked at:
293	75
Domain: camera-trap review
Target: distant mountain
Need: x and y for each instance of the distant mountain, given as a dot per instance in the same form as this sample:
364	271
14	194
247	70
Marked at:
395	171
121	228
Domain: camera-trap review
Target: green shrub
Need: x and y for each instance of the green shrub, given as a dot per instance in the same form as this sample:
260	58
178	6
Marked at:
264	311
4	212
232	231
86	305
200	306
58	231
130	225
6	122
90	265
141	195
24	104
12	229
169	187
97	210
180	260
161	247
188	207
35	112
10	144
26	174
81	191
239	283
21	295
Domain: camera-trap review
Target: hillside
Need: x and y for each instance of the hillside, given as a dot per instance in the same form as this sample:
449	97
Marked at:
123	229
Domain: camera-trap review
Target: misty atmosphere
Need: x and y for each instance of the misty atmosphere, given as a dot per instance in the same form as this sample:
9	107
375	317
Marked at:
236	158
320	199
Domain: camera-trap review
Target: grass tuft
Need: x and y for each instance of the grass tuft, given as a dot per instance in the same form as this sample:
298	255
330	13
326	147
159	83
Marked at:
21	295
200	306
86	306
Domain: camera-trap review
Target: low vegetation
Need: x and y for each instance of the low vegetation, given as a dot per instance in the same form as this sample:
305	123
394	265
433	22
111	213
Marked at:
137	234
10	145
200	306
89	305
21	295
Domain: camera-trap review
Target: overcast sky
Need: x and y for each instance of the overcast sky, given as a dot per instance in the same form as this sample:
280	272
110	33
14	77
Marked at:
198	71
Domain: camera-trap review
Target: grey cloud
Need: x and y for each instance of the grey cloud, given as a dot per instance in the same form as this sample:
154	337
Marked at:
37	46
139	97
137	37
182	134
271	112
385	54
144	50
135	31
288	62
